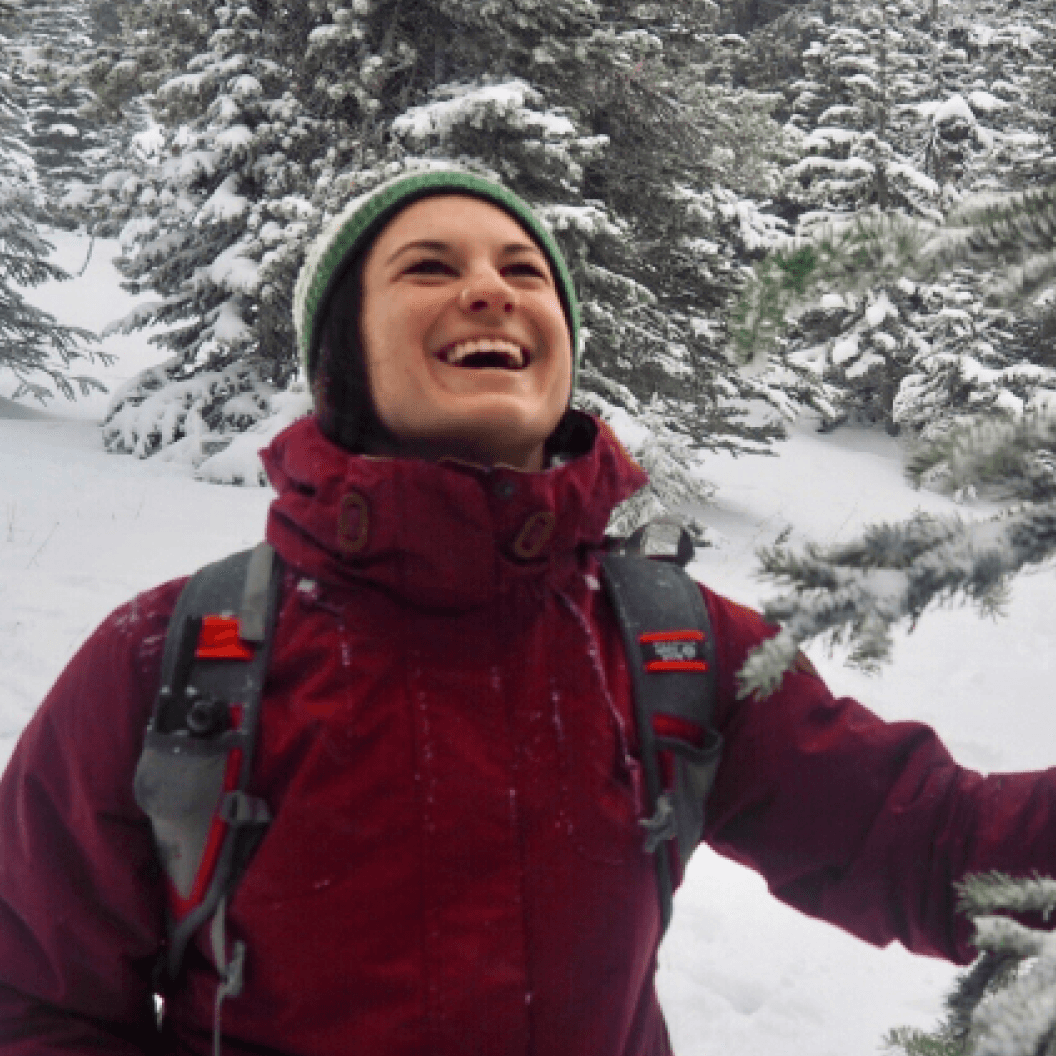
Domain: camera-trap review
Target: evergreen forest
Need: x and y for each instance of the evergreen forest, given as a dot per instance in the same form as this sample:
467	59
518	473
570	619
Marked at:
836	211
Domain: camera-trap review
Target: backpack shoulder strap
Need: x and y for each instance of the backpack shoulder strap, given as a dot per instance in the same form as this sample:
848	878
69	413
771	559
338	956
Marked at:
671	656
192	776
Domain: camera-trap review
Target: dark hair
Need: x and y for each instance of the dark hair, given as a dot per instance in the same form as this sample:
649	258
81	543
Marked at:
343	400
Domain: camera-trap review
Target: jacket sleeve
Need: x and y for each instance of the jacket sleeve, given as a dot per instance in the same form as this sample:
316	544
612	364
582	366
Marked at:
81	904
860	822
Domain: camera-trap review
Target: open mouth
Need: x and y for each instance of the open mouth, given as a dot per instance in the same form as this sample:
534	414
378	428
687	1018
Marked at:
485	354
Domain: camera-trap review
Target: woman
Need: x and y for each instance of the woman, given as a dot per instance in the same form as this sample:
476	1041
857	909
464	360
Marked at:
447	750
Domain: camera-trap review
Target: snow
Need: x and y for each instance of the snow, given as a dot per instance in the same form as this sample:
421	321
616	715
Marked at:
225	203
740	974
823	138
588	220
470	103
235	138
245	87
982	34
184	83
981	100
239	462
323	36
233	271
951	109
190	166
845	348
629	431
845	166
880	309
863	80
229	327
919	179
863	365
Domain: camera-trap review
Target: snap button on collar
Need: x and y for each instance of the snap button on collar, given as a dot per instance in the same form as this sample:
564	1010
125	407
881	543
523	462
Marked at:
353	522
534	535
505	489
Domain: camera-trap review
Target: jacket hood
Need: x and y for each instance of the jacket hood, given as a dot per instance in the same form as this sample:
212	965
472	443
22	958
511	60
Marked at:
443	535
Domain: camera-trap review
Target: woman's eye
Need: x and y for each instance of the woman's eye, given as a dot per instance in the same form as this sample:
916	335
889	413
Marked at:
524	268
430	267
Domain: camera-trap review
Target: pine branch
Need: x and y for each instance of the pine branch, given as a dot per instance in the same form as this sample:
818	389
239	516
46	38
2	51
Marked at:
858	591
1019	1020
1015	454
985	893
1015	234
1005	1005
850	256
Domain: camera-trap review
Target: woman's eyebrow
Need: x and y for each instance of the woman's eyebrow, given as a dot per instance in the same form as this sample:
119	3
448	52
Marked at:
444	247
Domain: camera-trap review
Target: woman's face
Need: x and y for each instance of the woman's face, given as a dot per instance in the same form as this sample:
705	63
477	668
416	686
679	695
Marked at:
464	338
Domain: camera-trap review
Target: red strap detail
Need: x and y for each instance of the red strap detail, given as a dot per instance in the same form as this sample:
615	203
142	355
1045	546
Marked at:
213	844
672	636
676	665
674	726
219	640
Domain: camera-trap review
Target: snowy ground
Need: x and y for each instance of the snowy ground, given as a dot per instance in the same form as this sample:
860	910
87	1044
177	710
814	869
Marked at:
741	975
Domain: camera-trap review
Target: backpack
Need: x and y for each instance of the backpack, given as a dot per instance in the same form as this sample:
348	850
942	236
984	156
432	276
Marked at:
192	776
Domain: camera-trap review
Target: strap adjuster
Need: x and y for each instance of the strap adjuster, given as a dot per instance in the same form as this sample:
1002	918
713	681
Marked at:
236	808
662	826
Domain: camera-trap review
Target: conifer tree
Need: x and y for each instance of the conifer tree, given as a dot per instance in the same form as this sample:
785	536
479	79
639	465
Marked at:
858	591
904	113
56	132
584	109
35	348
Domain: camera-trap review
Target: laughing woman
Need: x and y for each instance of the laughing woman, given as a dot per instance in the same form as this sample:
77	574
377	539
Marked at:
447	745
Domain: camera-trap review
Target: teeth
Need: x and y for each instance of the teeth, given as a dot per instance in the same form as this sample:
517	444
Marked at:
513	353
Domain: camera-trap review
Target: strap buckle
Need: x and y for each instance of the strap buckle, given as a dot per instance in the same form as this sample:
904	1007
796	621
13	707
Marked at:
663	539
237	808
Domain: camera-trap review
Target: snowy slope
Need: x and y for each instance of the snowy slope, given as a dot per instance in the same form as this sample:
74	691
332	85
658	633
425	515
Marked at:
741	975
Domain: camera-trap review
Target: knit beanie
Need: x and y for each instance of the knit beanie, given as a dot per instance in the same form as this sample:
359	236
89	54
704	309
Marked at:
347	238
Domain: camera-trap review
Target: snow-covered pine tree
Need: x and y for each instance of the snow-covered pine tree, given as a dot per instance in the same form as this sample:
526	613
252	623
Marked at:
35	348
970	355
948	98
1041	90
974	359
1005	1004
979	356
862	72
864	69
973	356
859	590
216	221
575	105
654	254
68	145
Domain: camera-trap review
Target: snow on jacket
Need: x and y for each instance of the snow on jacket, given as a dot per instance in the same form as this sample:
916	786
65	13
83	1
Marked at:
455	865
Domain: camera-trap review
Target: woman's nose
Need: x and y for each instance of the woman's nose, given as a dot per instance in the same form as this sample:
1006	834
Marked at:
487	293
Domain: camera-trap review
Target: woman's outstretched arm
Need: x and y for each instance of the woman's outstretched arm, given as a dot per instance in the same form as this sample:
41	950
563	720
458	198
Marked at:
864	823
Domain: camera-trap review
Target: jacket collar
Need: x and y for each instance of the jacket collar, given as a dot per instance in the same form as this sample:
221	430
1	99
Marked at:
442	535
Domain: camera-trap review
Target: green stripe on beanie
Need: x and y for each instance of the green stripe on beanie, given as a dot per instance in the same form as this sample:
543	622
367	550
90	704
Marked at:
361	220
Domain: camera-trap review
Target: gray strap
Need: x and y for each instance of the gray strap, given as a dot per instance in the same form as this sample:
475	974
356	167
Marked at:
656	596
229	970
252	616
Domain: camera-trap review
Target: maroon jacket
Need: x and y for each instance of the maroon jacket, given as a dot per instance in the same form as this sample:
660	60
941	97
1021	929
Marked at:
447	748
